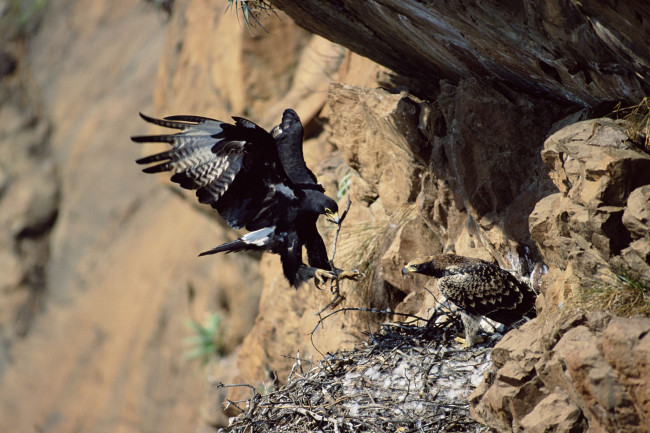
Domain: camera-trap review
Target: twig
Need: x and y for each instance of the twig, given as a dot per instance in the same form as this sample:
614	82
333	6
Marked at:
304	411
335	287
346	392
218	384
335	291
368	310
338	229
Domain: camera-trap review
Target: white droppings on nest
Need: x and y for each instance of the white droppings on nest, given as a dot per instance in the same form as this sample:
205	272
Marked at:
402	378
416	378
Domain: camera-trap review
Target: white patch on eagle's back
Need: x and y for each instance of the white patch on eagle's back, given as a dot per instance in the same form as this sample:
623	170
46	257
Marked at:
276	131
285	190
259	237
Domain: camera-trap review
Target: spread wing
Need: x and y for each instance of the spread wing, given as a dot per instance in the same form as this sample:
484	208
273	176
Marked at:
235	168
288	136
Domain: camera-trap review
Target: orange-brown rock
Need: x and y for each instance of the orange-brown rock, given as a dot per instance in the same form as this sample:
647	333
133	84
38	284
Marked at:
98	270
594	227
583	372
583	52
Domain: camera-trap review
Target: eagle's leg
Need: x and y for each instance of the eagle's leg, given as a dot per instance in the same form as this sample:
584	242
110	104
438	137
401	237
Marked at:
322	275
354	275
472	325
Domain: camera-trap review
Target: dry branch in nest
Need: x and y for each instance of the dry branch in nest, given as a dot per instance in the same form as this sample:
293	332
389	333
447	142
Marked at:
404	378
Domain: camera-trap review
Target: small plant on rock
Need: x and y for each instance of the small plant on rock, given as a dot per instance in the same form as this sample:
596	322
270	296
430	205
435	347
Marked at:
638	122
628	298
206	341
250	10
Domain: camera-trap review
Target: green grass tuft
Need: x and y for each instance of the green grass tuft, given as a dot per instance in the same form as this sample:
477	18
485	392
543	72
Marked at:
250	10
206	341
344	185
19	18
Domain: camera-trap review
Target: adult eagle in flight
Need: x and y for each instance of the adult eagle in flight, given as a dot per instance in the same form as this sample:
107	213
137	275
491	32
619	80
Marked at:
478	288
254	179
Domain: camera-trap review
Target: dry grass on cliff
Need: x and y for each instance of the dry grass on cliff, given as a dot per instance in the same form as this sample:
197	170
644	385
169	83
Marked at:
404	378
638	122
363	244
627	299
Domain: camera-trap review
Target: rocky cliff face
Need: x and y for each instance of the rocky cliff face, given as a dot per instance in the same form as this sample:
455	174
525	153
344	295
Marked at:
577	372
476	135
584	52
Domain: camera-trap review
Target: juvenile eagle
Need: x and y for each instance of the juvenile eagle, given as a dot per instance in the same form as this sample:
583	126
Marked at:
254	179
478	288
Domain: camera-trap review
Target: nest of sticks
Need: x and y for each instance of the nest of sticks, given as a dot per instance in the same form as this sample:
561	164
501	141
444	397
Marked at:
403	378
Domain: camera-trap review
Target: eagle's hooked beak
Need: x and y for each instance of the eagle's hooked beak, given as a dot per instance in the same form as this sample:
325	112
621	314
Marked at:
332	217
408	269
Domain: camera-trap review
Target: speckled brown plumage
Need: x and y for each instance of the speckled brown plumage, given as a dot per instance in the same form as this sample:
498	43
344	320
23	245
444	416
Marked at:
478	287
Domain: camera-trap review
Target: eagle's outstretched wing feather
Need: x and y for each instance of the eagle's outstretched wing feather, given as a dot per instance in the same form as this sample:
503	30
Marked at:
209	156
237	168
288	136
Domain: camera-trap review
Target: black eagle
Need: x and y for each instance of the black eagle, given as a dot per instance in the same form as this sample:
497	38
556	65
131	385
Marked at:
478	288
254	179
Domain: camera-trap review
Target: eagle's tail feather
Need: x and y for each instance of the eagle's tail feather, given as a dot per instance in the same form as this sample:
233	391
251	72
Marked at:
257	240
228	247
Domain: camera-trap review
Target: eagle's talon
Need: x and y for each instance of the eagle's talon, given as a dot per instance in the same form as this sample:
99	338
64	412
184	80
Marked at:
321	276
354	275
466	343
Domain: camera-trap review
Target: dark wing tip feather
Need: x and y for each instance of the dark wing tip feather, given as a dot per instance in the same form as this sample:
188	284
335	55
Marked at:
189	119
153	139
166	166
205	196
243	122
149	159
140	138
185	181
169	122
162	156
228	247
147	118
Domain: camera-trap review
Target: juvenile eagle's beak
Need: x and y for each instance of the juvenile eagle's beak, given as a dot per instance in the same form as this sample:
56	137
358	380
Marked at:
332	217
408	269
